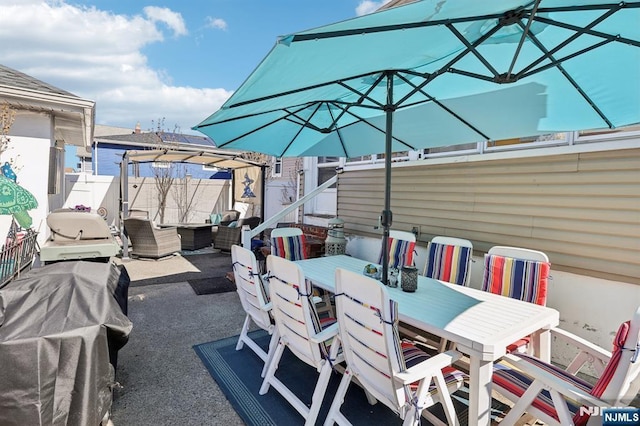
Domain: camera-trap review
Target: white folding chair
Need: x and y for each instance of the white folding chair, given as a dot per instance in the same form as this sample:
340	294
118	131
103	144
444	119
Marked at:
519	273
300	330
400	248
398	374
449	259
255	302
556	396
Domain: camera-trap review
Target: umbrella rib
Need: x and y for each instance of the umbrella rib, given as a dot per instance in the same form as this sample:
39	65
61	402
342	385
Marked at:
448	65
472	49
579	32
524	74
522	39
395	27
253	130
589	31
575	85
338	130
306	123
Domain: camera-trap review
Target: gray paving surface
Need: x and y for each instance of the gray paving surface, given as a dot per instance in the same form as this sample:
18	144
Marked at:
163	380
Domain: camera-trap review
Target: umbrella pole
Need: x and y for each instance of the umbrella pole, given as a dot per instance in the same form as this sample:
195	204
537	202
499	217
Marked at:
387	217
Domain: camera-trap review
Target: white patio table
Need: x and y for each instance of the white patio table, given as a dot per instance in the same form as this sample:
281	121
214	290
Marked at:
480	323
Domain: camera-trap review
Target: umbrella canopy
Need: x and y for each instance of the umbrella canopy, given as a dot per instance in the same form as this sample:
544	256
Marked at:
437	73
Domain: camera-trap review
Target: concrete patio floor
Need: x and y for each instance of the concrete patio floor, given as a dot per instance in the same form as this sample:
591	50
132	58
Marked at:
163	380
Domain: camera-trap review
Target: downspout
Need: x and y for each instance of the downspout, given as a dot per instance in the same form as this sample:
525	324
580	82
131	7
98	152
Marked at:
124	202
263	170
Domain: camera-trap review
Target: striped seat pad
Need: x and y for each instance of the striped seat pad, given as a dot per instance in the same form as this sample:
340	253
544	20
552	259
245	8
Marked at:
517	278
517	382
414	356
291	247
400	253
448	263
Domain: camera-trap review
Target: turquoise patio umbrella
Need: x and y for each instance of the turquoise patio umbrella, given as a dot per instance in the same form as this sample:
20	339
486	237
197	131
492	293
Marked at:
438	73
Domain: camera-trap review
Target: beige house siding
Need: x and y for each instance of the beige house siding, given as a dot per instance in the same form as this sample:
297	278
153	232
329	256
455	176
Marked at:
583	210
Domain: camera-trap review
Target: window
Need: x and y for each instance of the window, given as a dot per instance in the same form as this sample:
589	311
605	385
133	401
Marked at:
276	167
327	169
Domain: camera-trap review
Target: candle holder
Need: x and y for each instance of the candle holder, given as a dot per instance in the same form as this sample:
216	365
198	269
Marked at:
409	279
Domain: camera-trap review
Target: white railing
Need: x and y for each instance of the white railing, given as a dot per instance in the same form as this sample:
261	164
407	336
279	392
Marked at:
248	234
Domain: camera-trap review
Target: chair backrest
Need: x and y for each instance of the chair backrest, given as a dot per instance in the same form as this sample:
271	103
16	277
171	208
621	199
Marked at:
449	259
518	273
293	310
369	336
137	226
252	293
288	243
620	381
401	247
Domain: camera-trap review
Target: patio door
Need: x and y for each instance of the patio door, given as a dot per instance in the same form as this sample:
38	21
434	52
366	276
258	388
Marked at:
326	202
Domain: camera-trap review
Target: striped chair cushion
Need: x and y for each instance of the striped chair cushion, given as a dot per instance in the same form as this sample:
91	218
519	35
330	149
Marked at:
516	382
291	248
448	263
618	344
517	278
413	355
400	253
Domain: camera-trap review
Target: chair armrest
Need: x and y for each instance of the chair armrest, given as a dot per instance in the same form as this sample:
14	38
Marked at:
325	334
588	352
553	382
428	367
581	344
267	307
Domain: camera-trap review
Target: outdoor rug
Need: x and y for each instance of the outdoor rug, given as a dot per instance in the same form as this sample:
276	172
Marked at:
238	375
211	285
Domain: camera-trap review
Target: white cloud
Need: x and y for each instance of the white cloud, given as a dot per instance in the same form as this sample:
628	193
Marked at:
97	55
217	23
172	19
368	6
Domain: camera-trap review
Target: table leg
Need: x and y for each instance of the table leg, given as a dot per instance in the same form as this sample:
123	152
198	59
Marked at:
480	373
541	342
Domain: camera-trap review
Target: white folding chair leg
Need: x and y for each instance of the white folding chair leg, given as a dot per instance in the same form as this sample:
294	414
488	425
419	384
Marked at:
334	415
523	403
318	394
445	399
273	344
243	334
271	370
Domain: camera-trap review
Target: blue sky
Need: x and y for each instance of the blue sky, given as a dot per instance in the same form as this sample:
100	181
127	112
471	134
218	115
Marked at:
142	61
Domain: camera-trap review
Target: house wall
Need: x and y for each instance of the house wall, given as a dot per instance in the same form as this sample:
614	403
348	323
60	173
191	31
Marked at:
31	138
582	209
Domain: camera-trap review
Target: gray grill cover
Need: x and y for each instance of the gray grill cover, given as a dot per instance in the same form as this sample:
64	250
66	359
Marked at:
54	355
